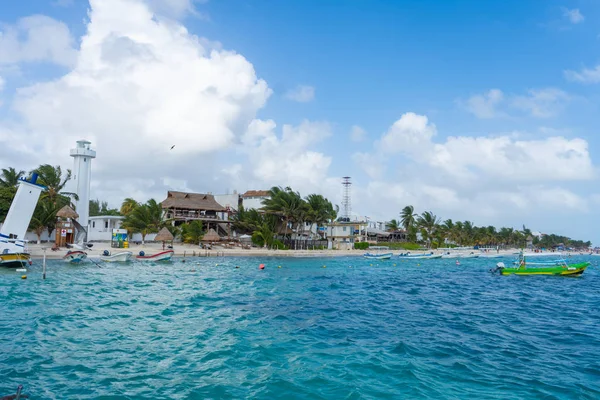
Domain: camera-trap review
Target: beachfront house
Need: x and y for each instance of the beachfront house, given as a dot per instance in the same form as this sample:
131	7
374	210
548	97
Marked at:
182	207
343	235
254	199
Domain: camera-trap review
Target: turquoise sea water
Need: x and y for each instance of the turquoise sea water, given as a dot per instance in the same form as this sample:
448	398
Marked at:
357	329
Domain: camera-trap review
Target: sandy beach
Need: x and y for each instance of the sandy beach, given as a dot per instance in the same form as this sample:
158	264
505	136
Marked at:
186	250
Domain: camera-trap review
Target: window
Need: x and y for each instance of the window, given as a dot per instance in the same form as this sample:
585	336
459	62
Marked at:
93	224
106	224
344	229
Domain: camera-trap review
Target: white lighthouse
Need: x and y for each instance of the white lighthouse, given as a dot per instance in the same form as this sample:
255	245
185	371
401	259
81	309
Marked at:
82	173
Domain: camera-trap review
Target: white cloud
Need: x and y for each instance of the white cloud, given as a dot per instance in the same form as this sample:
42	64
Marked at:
410	134
287	159
301	94
541	103
176	8
2	83
357	134
372	164
574	16
586	75
485	105
138	86
538	103
37	38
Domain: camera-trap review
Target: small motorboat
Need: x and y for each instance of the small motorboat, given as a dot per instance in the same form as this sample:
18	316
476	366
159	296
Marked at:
427	256
75	256
162	256
561	268
14	260
123	256
385	256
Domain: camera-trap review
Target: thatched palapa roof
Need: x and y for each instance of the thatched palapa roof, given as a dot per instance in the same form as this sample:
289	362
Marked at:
67	212
256	193
191	201
211	236
164	236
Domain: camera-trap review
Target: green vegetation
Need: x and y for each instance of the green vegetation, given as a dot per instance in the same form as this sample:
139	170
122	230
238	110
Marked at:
401	245
101	208
144	219
361	245
285	212
435	233
192	232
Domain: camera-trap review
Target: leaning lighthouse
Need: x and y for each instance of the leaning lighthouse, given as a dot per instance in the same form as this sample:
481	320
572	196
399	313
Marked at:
82	173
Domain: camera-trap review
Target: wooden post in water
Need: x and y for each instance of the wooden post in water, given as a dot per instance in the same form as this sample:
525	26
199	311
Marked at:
44	265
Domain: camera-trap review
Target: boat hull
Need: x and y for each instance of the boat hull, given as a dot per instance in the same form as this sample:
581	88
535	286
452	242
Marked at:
427	257
162	256
75	257
571	270
14	260
386	256
119	257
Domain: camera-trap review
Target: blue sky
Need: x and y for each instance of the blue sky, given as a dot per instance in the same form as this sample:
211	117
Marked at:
465	106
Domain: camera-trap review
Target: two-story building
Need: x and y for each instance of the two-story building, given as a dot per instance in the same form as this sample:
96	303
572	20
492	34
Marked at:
182	207
254	199
343	235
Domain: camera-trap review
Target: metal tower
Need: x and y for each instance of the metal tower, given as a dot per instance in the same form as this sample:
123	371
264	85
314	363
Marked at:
346	199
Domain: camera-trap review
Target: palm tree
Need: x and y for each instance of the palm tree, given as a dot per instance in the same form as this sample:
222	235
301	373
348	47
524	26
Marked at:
192	232
408	217
10	177
428	222
392	226
128	206
145	219
44	217
52	178
448	230
320	210
285	203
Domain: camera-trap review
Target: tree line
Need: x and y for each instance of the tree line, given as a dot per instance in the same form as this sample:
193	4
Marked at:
283	213
436	233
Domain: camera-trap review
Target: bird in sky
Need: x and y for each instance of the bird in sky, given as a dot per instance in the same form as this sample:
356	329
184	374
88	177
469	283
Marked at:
172	147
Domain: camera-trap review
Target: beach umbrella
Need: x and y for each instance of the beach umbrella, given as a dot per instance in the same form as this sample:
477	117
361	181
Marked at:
164	235
67	212
211	236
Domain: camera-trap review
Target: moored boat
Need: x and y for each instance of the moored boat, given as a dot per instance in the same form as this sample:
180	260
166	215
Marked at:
419	256
123	256
385	256
13	253
75	257
561	268
14	260
162	256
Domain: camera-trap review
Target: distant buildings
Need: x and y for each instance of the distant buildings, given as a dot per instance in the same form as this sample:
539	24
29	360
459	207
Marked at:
254	199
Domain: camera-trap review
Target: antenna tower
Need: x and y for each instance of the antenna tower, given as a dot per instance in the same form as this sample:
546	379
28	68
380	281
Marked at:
346	199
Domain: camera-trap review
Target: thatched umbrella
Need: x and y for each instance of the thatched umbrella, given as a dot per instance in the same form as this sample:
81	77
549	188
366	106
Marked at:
211	236
67	212
164	235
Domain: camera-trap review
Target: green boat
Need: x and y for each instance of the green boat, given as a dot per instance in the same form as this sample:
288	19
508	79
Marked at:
561	268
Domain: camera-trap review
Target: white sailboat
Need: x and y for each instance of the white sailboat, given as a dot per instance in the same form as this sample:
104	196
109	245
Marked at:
13	253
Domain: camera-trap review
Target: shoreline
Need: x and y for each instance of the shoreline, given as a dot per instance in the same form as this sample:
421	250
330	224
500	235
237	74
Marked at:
183	250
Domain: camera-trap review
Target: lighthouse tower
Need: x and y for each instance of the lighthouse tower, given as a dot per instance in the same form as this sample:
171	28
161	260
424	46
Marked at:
82	173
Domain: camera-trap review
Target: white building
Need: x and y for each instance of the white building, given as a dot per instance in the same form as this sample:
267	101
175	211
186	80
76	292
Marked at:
82	174
231	202
342	235
254	199
100	229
